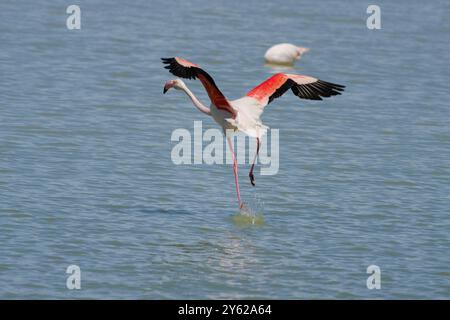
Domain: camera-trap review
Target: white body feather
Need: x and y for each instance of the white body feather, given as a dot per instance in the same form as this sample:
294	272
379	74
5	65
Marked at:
247	120
284	54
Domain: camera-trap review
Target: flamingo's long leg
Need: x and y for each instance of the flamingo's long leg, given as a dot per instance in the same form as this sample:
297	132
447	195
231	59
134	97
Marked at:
250	174
236	179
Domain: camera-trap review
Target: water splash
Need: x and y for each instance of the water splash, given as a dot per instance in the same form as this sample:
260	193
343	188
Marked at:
251	213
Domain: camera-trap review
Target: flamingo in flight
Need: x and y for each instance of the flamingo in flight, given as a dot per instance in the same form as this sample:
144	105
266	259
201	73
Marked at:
284	54
244	114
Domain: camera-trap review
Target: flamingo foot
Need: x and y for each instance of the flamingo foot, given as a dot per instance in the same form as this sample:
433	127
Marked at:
252	178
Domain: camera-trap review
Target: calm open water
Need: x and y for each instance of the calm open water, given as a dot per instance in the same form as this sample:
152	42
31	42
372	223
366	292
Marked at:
86	176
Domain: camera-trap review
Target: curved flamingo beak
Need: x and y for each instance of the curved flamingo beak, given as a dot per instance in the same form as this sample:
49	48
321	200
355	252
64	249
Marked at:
167	86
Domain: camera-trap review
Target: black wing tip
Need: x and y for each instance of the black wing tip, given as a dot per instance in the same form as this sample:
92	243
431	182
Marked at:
336	86
167	60
178	70
317	90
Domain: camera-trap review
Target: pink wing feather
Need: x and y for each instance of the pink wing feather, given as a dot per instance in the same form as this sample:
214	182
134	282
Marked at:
304	87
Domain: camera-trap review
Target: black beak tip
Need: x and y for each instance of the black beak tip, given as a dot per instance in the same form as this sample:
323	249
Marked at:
164	90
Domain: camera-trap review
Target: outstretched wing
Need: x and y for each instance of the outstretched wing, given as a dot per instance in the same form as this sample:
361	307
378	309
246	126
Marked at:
304	87
188	70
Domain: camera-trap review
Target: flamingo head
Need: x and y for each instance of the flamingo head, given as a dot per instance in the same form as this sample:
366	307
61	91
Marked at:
300	51
176	84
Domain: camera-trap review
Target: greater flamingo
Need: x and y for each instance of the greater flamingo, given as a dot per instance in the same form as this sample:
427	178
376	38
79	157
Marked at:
244	114
284	54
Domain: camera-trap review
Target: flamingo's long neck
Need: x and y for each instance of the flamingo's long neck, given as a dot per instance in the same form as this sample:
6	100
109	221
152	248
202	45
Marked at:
200	106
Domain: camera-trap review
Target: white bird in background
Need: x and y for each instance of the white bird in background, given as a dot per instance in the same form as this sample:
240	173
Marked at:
244	114
284	54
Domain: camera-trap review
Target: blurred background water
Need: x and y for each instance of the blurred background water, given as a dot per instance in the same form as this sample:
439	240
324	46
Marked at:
86	176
